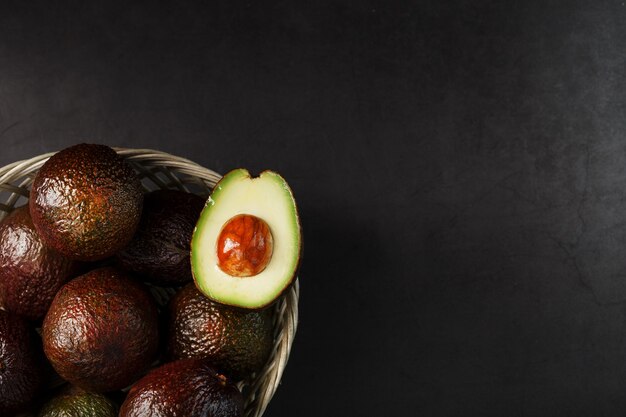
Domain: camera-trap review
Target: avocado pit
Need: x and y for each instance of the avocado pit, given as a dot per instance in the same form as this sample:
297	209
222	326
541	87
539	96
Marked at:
244	246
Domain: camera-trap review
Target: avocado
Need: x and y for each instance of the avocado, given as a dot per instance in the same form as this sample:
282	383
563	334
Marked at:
246	247
101	331
75	402
20	362
159	251
189	387
86	202
237	341
31	272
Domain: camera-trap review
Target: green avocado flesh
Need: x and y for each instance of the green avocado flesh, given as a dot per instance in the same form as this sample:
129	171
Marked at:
78	403
269	198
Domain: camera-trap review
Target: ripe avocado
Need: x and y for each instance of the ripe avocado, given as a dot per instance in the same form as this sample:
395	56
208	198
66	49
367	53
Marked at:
189	387
246	247
86	202
101	330
159	251
31	272
74	402
237	342
20	362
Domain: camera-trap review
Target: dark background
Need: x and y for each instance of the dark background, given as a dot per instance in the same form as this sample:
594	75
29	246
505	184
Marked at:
460	170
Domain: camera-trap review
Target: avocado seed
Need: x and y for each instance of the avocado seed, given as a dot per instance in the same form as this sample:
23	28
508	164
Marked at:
244	246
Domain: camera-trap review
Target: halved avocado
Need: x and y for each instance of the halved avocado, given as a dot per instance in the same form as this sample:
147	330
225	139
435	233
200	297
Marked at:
245	250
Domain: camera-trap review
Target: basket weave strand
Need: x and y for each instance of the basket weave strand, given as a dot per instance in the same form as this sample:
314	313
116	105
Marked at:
160	170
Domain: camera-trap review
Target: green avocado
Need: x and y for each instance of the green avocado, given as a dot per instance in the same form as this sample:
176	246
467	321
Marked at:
247	245
31	272
20	364
86	202
159	251
75	402
101	331
189	388
237	341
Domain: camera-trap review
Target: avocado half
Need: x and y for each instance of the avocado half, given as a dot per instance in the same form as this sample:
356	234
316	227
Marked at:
266	197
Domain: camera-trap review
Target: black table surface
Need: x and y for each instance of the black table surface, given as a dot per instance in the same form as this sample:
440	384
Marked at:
460	169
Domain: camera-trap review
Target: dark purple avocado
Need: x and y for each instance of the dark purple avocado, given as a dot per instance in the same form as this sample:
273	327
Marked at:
86	202
20	364
159	252
238	342
31	272
101	331
189	387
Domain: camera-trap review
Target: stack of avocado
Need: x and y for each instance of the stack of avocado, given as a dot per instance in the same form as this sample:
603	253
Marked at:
77	263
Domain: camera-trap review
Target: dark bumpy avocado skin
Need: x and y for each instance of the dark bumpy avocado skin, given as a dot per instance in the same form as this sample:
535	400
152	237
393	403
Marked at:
86	202
238	342
159	251
31	272
189	388
101	330
78	403
20	363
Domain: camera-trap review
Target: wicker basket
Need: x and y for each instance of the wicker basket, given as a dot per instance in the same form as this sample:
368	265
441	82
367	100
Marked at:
160	170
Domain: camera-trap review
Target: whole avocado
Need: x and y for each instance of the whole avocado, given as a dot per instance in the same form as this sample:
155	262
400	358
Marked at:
101	330
159	251
86	202
75	402
20	362
237	342
31	272
190	388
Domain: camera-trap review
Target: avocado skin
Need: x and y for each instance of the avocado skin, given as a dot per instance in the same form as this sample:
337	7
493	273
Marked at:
20	362
160	249
238	342
190	388
31	272
86	202
101	330
75	402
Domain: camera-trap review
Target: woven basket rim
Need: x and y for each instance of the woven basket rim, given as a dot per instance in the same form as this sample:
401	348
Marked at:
260	390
